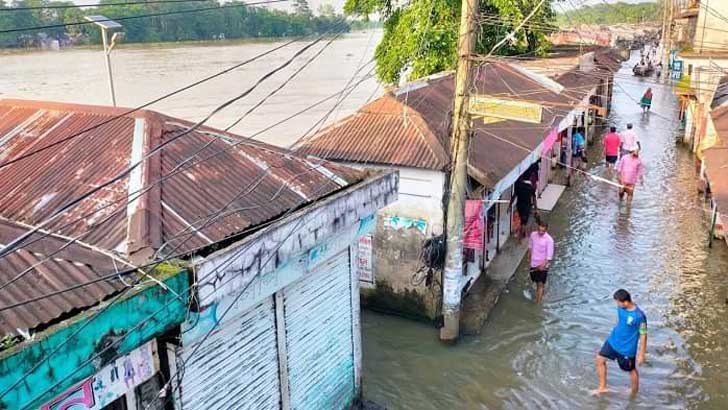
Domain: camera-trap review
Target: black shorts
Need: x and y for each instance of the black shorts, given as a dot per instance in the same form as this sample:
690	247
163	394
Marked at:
538	276
625	363
612	159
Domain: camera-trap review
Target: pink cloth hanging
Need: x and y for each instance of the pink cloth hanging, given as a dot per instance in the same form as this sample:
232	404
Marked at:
474	224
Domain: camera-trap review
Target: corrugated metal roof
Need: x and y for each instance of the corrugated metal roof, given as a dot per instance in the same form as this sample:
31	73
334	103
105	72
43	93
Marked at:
73	265
209	190
411	128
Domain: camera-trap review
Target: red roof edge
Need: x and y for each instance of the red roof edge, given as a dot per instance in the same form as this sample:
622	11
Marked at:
83	108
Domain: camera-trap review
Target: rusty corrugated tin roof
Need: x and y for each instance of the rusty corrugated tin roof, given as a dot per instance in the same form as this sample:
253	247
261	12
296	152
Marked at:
71	266
410	126
196	190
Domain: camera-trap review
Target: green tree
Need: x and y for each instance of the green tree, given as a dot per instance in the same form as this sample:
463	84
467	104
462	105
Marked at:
616	13
420	36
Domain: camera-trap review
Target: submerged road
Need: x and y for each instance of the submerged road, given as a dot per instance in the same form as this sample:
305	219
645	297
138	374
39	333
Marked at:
542	357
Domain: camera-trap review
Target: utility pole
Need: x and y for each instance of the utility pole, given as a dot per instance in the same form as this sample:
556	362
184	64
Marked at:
453	273
667	39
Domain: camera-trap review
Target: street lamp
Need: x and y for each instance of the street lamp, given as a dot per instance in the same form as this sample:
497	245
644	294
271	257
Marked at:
106	25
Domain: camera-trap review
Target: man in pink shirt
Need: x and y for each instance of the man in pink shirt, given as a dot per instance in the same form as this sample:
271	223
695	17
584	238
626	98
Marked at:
611	147
630	140
541	250
629	168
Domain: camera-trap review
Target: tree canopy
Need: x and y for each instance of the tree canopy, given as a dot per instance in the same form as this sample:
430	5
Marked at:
420	36
611	14
229	21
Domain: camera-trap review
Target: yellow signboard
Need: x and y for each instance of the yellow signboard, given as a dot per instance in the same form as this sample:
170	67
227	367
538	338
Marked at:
482	105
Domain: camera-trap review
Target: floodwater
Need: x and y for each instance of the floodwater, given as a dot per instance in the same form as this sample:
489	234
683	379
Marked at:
143	73
542	357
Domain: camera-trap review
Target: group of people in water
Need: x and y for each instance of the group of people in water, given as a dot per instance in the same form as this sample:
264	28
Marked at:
649	62
627	343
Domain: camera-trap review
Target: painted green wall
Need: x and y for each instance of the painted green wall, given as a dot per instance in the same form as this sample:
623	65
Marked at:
109	326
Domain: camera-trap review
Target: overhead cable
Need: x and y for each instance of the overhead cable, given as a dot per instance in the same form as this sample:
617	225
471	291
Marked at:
140	16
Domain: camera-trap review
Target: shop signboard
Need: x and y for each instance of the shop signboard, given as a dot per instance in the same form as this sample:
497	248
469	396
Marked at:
364	259
116	379
677	69
503	109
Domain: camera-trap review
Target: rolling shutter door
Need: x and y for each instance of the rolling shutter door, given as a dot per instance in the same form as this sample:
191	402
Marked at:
237	365
318	318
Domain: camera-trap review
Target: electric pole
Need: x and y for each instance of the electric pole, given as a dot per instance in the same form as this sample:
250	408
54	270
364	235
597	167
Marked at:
453	273
667	39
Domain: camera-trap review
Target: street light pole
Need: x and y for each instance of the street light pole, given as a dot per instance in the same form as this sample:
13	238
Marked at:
105	25
107	53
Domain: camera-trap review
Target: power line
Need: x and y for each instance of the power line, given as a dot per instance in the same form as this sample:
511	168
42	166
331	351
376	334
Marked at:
83	217
172	256
290	210
52	6
178	169
147	104
283	84
151	317
14	244
140	16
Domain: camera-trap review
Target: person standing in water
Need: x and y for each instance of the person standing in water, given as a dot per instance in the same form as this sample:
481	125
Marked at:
578	151
629	169
630	140
541	249
628	335
646	101
611	144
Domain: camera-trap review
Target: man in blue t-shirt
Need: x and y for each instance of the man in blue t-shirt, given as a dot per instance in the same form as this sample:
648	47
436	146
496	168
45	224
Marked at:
631	331
578	151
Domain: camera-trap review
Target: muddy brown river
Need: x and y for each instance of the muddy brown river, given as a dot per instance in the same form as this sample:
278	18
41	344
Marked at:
145	72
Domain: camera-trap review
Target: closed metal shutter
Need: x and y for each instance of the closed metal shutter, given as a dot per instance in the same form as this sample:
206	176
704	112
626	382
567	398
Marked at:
237	365
319	342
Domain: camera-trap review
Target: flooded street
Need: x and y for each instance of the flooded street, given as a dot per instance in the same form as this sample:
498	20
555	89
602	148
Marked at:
542	357
145	72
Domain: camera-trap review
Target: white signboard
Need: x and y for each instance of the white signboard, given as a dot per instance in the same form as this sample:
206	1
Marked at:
113	381
364	259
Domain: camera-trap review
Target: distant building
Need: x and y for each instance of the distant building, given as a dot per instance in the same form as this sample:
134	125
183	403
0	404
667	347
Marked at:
258	307
698	59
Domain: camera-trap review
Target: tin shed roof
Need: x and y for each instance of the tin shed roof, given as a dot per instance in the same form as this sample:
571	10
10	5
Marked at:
165	202
73	265
191	189
411	126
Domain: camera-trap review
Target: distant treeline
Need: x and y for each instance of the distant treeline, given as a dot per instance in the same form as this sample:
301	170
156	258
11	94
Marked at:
611	14
227	22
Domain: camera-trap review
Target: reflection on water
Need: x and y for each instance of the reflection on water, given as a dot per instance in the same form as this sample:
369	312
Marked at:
542	357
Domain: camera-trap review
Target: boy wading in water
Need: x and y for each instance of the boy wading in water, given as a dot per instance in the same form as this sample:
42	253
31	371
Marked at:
541	248
622	344
630	168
